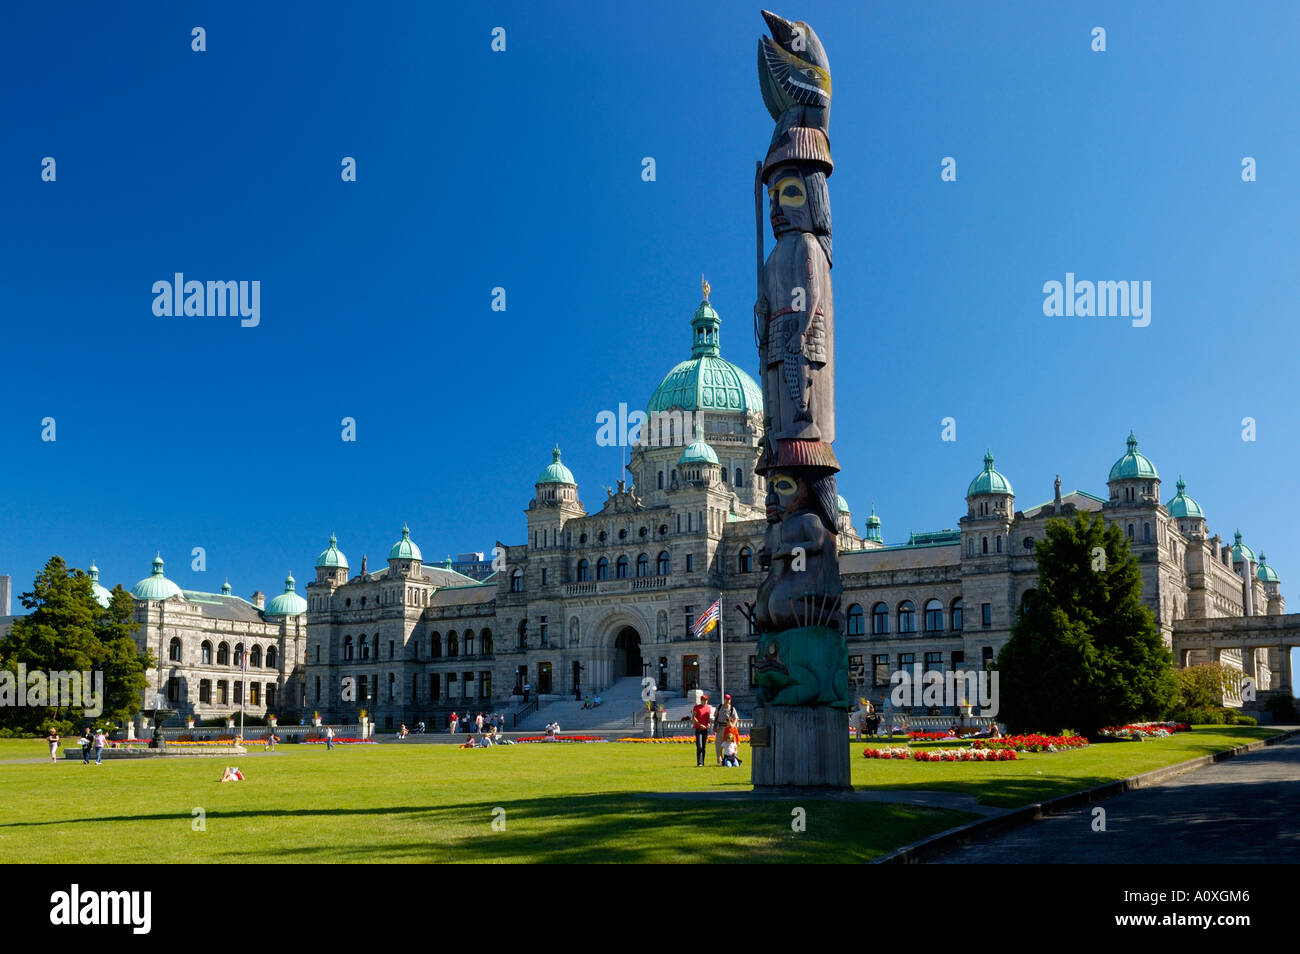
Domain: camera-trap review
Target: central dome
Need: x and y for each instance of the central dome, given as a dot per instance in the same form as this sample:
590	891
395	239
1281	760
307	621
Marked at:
706	381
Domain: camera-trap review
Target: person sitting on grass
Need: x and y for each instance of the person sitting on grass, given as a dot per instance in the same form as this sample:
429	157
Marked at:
469	743
729	757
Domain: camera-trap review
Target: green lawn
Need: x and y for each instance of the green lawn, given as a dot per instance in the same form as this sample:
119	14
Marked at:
561	803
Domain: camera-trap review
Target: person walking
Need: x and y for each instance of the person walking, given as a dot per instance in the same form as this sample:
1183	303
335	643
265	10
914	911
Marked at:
53	739
478	723
100	739
455	720
701	713
329	738
86	743
725	716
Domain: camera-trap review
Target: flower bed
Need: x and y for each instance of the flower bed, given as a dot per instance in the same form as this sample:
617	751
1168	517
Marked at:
561	738
928	736
891	752
1031	743
1145	730
965	755
675	739
317	740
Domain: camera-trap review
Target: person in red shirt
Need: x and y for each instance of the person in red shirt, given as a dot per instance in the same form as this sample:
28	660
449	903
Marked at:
701	713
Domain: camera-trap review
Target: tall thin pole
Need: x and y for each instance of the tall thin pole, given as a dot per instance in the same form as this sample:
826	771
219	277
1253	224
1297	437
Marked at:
722	653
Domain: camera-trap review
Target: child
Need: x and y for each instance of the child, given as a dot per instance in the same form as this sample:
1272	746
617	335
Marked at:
729	757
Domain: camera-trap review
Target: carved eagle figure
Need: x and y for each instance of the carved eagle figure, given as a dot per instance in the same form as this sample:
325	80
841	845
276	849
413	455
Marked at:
793	72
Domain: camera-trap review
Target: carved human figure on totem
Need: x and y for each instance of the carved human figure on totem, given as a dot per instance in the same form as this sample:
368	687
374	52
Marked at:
802	587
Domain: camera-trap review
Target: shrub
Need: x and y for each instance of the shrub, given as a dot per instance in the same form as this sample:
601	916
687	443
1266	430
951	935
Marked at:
1201	715
1240	719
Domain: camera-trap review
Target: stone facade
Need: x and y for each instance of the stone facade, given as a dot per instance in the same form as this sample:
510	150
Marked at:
591	598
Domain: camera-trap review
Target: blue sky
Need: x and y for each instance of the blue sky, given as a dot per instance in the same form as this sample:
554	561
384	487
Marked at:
522	169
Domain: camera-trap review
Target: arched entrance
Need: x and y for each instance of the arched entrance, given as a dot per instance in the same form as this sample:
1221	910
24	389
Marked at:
627	653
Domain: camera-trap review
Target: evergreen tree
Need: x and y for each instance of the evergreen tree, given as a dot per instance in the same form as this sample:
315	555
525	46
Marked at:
68	631
1085	651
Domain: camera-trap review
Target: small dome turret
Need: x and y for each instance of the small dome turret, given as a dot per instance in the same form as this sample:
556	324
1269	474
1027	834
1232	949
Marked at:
873	526
989	480
102	596
1266	573
1133	466
405	548
156	586
287	603
698	451
332	557
556	473
1183	506
1240	551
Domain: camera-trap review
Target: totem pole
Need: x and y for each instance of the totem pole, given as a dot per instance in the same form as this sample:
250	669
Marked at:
801	723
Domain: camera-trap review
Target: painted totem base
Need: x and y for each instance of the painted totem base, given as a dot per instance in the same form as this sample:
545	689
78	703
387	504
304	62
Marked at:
807	749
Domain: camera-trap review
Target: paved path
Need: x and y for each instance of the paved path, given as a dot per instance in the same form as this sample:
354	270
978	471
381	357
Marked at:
1239	811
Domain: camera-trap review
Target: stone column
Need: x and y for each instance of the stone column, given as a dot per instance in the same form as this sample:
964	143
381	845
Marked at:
1282	681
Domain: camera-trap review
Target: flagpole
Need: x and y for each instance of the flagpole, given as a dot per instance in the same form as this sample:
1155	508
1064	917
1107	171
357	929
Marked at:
722	653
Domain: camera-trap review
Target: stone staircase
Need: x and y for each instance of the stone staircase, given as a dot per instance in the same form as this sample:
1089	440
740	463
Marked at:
618	705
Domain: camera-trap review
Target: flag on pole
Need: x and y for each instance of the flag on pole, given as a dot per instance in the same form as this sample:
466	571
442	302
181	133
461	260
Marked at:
707	620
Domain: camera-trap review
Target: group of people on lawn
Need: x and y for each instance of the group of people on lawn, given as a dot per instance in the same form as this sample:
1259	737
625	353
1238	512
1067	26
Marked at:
725	722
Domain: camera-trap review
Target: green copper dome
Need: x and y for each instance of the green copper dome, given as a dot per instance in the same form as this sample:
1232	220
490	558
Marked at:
557	473
707	381
332	556
1133	465
841	504
287	603
155	586
102	596
1266	573
225	588
405	548
988	480
1184	506
1240	551
873	525
697	451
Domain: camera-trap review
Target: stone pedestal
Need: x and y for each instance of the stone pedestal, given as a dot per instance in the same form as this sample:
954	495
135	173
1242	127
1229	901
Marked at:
800	748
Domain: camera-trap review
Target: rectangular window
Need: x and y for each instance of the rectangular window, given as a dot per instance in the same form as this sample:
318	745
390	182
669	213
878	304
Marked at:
958	658
174	689
223	692
542	627
485	684
270	695
957	617
690	563
239	692
205	690
906	661
689	616
543	576
986	614
467	684
857	672
390	649
880	670
254	694
987	655
363	684
934	662
435	689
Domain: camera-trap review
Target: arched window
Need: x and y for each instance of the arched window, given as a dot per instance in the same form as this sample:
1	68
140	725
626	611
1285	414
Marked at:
453	644
664	565
485	642
985	544
661	480
999	540
223	655
602	568
1146	533
1027	601
517	581
271	656
643	565
584	571
933	616
1130	531
740	478
239	655
469	642
880	620
855	620
347	648
523	634
907	617
620	568
970	546
174	650
392	686
255	657
745	562
365	646
957	615
205	653
435	646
